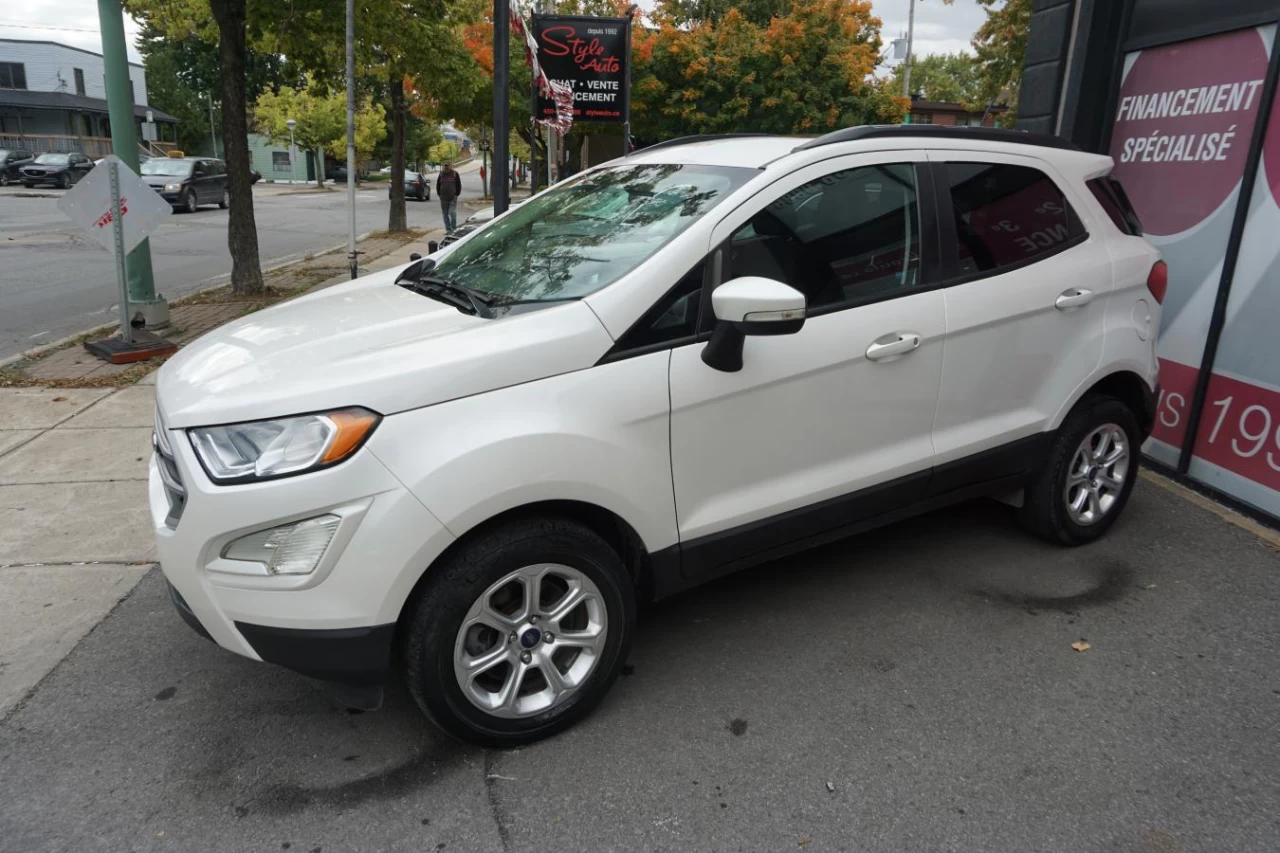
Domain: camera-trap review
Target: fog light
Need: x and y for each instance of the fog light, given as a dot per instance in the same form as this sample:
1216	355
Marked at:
291	549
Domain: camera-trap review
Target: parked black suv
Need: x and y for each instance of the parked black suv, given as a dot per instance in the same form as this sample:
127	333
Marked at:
61	170
11	160
187	182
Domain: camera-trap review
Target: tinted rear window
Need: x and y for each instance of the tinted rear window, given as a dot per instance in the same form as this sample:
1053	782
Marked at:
1115	201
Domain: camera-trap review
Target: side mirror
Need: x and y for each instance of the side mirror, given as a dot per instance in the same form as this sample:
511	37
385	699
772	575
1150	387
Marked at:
433	246
750	305
414	256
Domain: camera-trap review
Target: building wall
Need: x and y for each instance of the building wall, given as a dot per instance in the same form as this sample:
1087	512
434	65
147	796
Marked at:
269	158
45	62
1117	77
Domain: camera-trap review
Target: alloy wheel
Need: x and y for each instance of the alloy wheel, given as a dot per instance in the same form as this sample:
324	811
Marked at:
1099	469
530	641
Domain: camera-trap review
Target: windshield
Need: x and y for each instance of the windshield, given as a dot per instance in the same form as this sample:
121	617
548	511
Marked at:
576	239
54	159
157	166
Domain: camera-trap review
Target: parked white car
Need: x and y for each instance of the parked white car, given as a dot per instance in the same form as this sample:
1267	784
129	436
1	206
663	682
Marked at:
697	358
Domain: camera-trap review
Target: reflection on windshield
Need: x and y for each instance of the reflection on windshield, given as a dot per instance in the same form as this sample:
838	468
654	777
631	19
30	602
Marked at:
157	166
54	159
572	241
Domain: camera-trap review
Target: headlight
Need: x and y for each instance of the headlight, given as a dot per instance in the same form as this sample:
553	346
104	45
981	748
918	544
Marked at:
260	450
172	188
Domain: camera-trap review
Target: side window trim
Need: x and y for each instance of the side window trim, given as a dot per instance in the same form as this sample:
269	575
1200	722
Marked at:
623	349
947	225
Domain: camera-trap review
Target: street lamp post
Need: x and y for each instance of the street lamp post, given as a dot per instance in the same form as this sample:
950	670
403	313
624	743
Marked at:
213	135
293	153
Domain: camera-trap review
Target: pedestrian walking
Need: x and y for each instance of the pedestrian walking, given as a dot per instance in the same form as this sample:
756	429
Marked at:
448	188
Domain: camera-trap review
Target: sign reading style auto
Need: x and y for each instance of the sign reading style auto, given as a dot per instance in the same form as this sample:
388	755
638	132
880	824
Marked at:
589	54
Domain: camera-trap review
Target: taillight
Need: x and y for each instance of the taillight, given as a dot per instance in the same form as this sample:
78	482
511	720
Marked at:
1158	280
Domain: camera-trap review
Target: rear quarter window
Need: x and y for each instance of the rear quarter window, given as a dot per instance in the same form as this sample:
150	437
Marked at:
1115	201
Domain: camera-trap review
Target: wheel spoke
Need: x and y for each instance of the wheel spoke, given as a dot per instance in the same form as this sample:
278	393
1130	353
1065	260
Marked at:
1111	482
1117	453
591	638
1078	502
566	605
487	660
1094	506
510	694
1104	445
555	681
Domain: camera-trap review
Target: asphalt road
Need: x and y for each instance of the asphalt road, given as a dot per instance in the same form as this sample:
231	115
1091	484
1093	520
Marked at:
56	281
913	689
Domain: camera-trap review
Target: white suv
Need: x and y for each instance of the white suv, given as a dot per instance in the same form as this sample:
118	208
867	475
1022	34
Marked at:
696	358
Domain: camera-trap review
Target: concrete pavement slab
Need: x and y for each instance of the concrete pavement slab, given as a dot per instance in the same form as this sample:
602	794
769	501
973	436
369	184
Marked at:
41	408
150	378
128	407
76	522
45	611
76	455
11	438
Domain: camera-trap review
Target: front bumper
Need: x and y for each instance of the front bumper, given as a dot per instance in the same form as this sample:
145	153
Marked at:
335	623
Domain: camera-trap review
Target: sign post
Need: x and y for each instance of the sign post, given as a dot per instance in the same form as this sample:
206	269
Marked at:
115	207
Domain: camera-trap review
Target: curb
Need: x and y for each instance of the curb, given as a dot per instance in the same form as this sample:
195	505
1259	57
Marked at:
201	286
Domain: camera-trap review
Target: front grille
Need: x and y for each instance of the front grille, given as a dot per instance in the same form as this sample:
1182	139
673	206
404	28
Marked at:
174	488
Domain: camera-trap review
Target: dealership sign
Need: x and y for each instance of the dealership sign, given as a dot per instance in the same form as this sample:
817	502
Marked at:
589	55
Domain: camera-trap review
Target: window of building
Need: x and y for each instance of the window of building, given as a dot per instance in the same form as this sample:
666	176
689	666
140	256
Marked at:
847	238
79	81
969	121
1007	215
280	161
13	75
922	118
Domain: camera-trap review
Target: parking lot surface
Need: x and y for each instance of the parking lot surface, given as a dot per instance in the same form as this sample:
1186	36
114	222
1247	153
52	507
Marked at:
912	689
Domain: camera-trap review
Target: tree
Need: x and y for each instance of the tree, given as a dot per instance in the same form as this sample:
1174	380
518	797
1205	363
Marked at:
806	71
950	77
1000	45
444	151
320	118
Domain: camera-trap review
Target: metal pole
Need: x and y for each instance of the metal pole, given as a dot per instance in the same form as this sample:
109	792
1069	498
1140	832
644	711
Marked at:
351	139
551	159
124	143
501	105
293	159
122	268
906	63
212	133
533	110
626	89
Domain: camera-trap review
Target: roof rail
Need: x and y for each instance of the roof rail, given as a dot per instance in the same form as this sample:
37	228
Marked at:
705	137
938	131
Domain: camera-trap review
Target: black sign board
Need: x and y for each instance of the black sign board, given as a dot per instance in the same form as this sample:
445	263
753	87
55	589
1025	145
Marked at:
589	54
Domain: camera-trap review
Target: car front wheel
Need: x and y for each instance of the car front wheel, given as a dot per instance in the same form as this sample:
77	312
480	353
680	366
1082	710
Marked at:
520	632
189	202
225	201
64	181
1089	475
4	179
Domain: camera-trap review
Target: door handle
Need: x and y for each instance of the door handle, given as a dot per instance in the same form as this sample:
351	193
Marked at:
1073	298
897	344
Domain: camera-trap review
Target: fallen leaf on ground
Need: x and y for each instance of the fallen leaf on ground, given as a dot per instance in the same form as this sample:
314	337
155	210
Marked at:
831	787
804	842
59	399
1081	646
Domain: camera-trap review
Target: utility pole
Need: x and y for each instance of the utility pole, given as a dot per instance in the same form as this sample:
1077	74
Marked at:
906	63
352	257
213	136
626	97
124	142
533	110
501	105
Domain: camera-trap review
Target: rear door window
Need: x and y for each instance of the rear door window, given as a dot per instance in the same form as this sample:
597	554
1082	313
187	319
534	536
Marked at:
1007	216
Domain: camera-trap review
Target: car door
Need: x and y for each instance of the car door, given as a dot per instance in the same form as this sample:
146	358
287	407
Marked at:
833	424
1024	303
200	179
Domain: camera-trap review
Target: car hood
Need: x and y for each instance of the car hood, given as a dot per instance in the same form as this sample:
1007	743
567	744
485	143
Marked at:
368	343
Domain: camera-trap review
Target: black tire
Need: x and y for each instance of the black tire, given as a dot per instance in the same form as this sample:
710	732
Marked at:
64	181
224	202
4	179
1044	511
189	201
432	621
27	185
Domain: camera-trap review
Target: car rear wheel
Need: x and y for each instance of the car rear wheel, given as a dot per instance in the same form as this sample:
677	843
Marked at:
189	202
4	179
225	201
64	181
520	632
1089	476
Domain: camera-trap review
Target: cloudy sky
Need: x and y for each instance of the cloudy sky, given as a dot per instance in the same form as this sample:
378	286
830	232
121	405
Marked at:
939	28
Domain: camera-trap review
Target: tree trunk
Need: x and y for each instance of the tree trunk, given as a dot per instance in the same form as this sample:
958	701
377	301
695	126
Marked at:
397	221
319	158
242	229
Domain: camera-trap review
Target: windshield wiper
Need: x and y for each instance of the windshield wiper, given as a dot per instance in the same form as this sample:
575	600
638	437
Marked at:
463	296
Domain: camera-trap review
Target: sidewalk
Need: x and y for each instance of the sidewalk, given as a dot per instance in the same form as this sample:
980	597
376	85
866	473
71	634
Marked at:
75	535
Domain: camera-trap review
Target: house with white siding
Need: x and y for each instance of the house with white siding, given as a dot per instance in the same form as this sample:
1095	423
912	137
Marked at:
53	98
